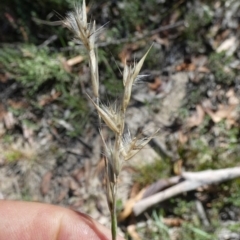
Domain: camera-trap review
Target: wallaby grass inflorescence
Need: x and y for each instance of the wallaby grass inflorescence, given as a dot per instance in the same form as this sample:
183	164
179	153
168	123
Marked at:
124	146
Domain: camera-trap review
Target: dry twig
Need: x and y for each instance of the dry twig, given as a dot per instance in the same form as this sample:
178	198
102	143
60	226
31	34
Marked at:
191	182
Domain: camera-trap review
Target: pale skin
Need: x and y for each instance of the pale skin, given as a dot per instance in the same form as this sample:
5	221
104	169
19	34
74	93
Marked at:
27	221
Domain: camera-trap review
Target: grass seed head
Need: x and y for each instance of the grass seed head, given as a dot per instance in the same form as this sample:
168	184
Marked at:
131	146
84	31
130	75
113	159
107	117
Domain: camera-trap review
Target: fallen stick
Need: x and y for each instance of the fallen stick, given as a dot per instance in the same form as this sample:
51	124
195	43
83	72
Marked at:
144	193
191	181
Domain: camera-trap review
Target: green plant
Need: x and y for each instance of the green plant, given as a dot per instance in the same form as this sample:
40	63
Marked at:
149	173
218	63
197	19
13	155
234	227
156	229
33	66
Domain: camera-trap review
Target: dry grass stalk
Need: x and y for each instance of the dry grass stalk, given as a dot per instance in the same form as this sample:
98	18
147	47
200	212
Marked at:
124	147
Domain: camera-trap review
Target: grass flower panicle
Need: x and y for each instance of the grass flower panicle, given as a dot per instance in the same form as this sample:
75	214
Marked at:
124	147
85	33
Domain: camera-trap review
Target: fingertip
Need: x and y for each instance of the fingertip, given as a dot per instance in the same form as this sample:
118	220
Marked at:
25	220
74	225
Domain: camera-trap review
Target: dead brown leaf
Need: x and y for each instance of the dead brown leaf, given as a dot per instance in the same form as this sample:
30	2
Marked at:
126	53
77	204
45	99
3	77
203	69
79	174
2	111
182	138
232	98
89	176
223	112
100	169
63	193
64	189
186	67
17	104
163	41
197	118
11	19
73	185
45	184
131	229
200	60
9	120
229	45
73	61
134	190
28	133
173	222
156	84
129	206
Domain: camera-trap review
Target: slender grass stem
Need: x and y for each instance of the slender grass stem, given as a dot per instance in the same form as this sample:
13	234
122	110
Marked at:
114	215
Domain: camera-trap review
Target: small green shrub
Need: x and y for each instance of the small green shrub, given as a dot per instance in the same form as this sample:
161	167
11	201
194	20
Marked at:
148	174
33	66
